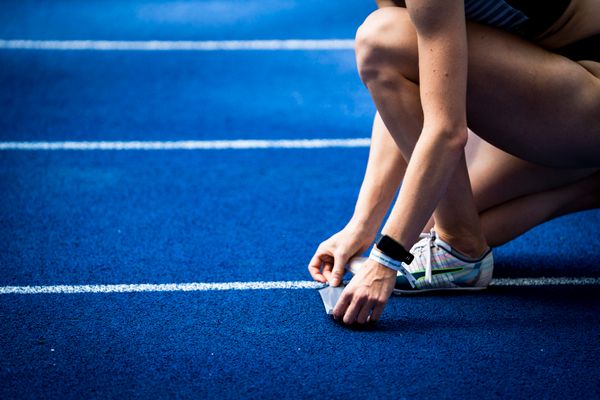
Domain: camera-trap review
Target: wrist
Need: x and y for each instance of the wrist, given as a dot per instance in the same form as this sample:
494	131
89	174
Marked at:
393	249
364	226
404	233
382	270
392	255
392	265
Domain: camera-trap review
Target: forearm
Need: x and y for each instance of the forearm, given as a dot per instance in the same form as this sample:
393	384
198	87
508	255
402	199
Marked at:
424	184
385	170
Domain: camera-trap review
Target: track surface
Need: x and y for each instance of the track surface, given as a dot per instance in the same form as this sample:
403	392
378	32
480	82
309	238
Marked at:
132	217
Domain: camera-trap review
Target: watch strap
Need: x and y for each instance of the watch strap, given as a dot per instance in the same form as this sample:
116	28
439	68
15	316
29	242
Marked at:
381	258
393	249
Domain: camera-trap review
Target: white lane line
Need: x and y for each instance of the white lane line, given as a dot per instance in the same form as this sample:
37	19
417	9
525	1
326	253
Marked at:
179	45
565	281
188	144
204	287
165	287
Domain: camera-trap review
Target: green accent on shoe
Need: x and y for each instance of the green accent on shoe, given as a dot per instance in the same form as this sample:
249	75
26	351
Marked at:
401	280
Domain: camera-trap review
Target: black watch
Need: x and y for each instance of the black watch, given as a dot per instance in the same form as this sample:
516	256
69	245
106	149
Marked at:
393	249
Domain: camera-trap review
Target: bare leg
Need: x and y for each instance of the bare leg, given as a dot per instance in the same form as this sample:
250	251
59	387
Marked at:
524	100
398	102
513	195
505	222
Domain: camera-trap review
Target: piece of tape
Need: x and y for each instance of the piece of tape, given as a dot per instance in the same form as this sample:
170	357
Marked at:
330	296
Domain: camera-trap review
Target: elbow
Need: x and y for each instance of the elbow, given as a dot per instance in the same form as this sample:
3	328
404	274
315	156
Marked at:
426	19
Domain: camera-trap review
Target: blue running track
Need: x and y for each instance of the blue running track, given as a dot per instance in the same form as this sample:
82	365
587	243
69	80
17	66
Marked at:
105	217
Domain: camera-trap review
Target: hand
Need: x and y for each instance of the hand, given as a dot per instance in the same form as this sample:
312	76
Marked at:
327	265
366	295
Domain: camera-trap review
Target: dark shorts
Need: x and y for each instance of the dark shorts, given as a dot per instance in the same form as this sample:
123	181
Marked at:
541	14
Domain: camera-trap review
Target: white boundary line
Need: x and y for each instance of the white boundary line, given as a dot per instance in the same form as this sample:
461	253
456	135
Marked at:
562	281
188	144
165	287
205	287
179	45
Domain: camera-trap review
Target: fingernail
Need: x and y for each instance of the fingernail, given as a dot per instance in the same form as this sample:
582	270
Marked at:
334	281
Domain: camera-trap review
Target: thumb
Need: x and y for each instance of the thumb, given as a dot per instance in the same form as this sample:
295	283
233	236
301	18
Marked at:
338	270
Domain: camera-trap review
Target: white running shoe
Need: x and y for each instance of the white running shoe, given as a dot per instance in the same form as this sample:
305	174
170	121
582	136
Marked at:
437	266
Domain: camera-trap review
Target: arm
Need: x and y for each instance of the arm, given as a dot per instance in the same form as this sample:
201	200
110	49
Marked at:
384	172
442	45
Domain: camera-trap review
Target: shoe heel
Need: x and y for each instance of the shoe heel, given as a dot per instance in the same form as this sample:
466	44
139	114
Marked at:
485	272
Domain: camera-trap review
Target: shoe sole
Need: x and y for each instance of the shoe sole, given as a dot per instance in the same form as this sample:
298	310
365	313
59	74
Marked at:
416	292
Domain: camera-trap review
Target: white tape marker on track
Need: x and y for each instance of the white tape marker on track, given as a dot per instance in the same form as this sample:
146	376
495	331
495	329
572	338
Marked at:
188	144
286	285
178	45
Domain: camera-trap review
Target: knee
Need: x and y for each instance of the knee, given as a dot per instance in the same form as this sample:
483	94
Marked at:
385	46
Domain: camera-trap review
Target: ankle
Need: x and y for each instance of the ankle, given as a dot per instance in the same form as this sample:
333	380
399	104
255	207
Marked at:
466	243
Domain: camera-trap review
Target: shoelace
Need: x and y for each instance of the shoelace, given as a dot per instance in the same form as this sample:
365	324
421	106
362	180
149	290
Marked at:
422	250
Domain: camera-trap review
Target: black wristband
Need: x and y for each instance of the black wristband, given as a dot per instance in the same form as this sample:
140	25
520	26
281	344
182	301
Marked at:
393	249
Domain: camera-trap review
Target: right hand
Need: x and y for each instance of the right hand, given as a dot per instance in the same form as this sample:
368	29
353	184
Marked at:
327	265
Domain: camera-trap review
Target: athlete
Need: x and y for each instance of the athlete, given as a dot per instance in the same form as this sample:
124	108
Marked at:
488	112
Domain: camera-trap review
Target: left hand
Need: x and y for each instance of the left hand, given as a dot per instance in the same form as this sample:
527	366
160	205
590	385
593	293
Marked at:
366	295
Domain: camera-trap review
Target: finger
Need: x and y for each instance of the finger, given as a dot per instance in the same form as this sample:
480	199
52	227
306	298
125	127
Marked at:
363	315
314	267
353	309
327	267
377	311
341	306
338	269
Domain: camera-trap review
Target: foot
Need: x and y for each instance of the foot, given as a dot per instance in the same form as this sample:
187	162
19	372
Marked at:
466	244
437	266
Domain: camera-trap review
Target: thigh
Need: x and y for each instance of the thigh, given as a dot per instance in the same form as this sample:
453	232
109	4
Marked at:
525	100
531	103
498	177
